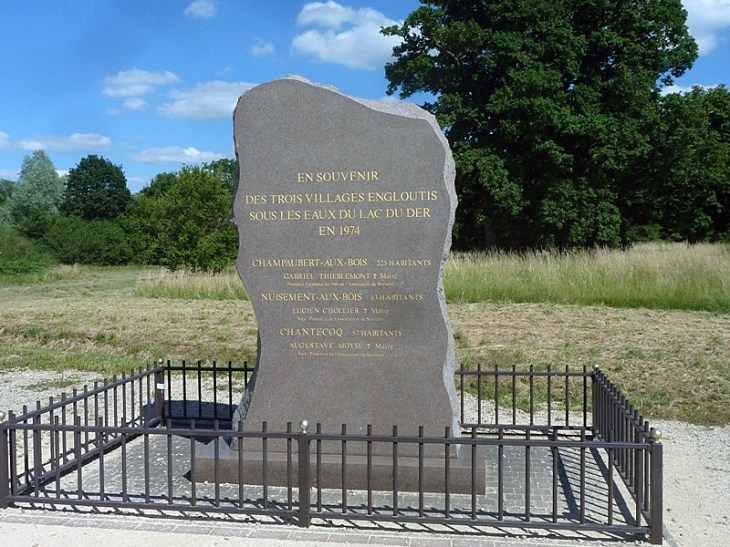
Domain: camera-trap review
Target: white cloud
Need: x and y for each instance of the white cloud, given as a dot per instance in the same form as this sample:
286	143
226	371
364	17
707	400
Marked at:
205	101
136	82
349	37
176	154
135	103
261	48
706	19
328	14
4	140
203	9
78	142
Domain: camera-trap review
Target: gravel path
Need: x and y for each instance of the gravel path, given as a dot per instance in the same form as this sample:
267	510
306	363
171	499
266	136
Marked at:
696	484
696	470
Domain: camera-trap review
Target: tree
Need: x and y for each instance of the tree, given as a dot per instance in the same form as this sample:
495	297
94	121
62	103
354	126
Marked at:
196	225
144	222
548	106
225	170
5	219
689	184
6	190
181	220
160	184
96	190
38	193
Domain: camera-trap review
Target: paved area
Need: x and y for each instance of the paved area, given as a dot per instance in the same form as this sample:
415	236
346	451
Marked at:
41	528
156	471
63	526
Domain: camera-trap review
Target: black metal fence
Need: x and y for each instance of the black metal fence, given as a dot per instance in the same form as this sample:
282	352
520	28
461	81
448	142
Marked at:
563	450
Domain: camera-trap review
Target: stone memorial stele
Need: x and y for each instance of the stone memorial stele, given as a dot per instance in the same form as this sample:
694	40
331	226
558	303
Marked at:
344	209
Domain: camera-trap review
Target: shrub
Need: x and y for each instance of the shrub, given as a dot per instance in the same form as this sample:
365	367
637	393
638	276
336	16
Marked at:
99	242
19	254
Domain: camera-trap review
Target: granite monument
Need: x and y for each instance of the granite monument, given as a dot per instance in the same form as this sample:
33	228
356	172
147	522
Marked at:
344	209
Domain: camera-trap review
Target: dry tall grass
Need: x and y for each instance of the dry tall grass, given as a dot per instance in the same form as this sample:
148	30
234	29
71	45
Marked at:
655	276
192	285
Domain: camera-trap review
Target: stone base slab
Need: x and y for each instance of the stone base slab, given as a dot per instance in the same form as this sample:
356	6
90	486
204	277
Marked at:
461	474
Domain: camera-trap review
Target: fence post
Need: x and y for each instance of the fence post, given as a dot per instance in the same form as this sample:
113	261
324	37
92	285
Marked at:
159	391
657	488
4	463
305	480
596	409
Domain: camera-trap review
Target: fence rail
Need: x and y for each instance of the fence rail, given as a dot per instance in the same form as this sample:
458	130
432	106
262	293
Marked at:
563	450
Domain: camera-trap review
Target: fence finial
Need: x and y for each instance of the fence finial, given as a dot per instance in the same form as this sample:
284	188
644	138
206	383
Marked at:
2	415
656	434
303	426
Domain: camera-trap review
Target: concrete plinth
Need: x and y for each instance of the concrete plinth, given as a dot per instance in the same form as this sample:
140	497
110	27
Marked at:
378	475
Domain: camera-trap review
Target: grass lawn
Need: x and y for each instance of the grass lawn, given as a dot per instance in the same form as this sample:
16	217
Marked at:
672	363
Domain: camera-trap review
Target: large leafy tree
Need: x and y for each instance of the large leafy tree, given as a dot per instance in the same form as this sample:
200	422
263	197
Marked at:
548	106
224	169
96	189
689	182
144	222
160	184
196	219
181	220
37	196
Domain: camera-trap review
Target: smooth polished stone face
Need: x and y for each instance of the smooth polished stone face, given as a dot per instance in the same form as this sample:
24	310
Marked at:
344	209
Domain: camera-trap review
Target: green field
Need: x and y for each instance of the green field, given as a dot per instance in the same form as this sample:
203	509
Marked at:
656	276
655	318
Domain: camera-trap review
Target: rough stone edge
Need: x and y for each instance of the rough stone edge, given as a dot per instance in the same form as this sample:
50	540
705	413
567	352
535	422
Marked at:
408	110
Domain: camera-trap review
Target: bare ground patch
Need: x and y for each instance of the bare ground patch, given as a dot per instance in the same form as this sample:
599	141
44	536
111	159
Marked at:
672	364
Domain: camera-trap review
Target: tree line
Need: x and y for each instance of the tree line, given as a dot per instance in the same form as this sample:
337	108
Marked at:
556	112
180	220
561	133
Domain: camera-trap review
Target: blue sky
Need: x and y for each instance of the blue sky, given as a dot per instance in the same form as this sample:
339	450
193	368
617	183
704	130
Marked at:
151	84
